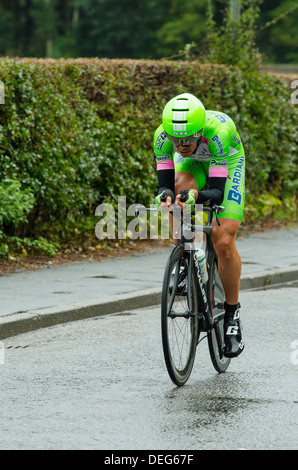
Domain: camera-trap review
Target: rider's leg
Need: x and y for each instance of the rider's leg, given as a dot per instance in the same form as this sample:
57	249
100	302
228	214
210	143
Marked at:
229	267
229	261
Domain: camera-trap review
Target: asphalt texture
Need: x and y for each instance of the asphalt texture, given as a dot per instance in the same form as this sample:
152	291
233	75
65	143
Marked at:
102	384
57	294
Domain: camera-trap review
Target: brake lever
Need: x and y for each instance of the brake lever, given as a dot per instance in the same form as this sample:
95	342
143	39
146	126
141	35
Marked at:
216	213
139	208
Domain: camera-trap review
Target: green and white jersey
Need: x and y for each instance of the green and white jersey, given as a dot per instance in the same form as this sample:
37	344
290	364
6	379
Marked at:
219	142
219	155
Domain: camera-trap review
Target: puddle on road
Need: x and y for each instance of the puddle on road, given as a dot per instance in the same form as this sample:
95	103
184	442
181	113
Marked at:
102	277
63	292
123	314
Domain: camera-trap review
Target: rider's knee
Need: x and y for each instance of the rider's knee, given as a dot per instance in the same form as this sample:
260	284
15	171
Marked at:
225	246
224	238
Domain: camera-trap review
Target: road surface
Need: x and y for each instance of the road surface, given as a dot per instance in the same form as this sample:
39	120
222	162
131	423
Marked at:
101	383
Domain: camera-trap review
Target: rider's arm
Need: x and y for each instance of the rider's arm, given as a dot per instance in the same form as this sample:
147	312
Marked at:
215	193
166	180
163	150
219	146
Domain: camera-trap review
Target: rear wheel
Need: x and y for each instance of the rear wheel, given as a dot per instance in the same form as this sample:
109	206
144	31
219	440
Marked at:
179	315
216	299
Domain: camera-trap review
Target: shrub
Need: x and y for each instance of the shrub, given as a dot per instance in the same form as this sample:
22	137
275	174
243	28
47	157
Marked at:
75	133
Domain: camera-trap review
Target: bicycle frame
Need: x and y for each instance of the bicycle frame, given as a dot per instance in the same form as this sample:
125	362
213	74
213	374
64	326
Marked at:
209	321
186	228
193	307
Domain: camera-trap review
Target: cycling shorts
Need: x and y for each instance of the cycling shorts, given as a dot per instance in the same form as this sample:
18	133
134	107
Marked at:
235	184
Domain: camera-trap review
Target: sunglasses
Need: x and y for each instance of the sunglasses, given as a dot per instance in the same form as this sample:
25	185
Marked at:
185	141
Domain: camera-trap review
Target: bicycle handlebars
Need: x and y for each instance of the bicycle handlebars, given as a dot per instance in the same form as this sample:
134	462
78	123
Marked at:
206	208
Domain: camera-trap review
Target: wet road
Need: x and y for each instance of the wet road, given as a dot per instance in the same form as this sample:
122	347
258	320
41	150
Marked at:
102	384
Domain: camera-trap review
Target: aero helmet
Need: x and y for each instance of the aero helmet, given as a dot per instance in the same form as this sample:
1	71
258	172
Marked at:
183	119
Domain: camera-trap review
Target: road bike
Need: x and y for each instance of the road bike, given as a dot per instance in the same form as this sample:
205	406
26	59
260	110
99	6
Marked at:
189	307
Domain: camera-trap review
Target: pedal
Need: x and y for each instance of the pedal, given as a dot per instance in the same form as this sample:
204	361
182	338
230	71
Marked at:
220	306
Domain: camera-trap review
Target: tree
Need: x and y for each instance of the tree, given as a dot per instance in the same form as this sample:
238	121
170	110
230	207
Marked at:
185	24
150	29
233	42
44	31
6	38
277	34
117	28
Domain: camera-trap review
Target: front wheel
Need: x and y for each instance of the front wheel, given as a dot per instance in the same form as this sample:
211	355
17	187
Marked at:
179	315
216	299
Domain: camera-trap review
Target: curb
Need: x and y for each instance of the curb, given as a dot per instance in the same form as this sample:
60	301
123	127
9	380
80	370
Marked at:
269	278
18	323
15	324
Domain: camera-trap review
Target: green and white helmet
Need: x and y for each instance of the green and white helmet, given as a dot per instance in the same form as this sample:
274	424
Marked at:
183	119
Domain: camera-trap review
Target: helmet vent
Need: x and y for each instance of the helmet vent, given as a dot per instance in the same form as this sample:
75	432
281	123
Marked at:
179	117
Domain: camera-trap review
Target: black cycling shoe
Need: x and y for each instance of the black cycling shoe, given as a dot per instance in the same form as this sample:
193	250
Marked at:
181	287
234	343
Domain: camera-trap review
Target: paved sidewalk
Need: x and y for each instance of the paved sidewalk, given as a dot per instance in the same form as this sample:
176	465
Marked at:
35	299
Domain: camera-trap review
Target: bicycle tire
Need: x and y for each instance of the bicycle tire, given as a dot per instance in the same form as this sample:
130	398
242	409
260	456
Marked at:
179	316
216	298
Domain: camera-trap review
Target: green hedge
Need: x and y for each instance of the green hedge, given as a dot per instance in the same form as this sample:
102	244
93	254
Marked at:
75	133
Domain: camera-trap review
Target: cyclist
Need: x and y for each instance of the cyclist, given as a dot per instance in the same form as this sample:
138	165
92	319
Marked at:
194	147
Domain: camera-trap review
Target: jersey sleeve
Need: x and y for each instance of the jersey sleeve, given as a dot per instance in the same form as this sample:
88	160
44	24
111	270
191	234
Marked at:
219	147
163	150
219	137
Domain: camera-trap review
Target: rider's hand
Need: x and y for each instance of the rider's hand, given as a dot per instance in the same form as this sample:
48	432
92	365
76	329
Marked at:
186	199
165	199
